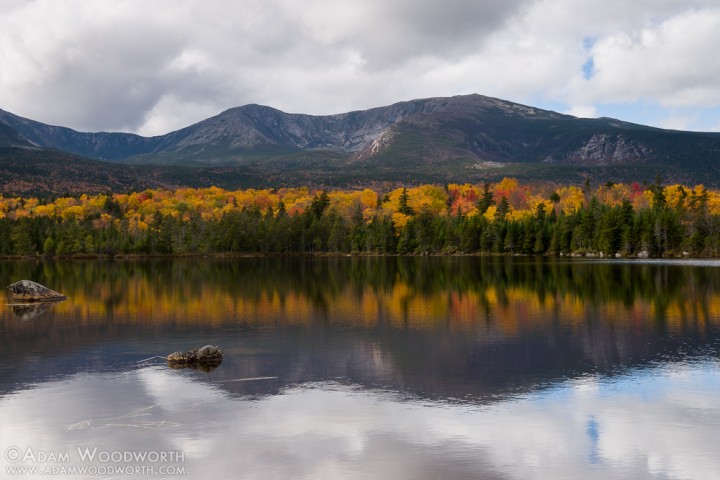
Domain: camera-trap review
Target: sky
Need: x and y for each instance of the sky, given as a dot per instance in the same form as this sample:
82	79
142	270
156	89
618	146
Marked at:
154	66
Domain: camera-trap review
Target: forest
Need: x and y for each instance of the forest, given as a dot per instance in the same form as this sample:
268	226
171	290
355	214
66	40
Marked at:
507	217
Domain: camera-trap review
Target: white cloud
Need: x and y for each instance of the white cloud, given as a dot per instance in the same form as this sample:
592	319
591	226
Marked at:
582	111
142	66
170	112
676	122
673	63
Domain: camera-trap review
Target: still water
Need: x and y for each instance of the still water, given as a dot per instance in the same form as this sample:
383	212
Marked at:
365	368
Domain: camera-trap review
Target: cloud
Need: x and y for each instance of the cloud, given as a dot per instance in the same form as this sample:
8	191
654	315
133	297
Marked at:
133	66
582	111
672	63
388	35
144	67
648	424
676	122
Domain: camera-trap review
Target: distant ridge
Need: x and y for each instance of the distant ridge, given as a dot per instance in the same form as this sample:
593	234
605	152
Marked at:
462	138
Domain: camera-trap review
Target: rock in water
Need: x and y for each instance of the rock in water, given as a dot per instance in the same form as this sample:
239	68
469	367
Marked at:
28	291
207	356
28	311
209	353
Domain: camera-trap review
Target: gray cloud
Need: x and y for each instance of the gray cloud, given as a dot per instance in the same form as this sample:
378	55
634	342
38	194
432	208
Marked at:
145	67
396	32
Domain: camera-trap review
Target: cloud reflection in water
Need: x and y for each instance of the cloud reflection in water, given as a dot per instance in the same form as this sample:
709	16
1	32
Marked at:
583	428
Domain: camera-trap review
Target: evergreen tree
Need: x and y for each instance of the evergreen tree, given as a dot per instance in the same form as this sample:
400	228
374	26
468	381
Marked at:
423	231
21	238
320	203
502	210
406	242
112	207
403	205
486	200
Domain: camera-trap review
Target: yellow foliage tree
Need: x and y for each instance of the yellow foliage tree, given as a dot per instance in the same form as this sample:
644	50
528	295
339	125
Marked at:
571	199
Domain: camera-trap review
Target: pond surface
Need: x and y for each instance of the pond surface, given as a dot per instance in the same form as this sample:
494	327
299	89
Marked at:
364	368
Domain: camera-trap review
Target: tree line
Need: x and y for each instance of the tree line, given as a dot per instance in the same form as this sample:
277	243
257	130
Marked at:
505	218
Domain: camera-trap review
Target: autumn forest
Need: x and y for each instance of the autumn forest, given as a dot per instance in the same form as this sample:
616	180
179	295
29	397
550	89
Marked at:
506	217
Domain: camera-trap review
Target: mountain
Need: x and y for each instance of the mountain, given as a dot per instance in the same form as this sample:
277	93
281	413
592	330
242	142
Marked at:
11	138
36	171
45	172
100	146
455	139
249	131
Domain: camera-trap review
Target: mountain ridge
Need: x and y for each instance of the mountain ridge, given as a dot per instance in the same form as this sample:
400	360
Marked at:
251	126
439	139
95	144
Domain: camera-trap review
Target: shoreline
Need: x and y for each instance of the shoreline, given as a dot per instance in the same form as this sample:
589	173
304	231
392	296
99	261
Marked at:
230	255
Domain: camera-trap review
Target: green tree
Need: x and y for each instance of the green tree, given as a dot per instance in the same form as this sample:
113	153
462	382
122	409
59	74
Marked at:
22	239
502	210
486	200
49	246
403	205
320	203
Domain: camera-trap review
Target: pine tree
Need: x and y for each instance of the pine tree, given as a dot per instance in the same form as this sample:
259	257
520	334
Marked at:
502	210
320	203
403	205
21	239
486	200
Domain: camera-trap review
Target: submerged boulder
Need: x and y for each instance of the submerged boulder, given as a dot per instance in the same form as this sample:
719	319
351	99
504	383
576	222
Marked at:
26	290
207	356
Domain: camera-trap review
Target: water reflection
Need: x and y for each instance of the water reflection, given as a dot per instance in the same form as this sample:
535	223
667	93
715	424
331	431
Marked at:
28	311
376	367
460	293
656	423
464	328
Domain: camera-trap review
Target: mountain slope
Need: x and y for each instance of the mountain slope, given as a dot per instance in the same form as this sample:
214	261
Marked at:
10	138
251	130
489	130
100	146
463	138
35	171
256	132
471	127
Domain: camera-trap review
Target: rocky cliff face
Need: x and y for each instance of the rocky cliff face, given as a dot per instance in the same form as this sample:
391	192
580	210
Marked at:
606	149
256	125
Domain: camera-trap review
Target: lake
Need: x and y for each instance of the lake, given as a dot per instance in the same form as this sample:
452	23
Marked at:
364	368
